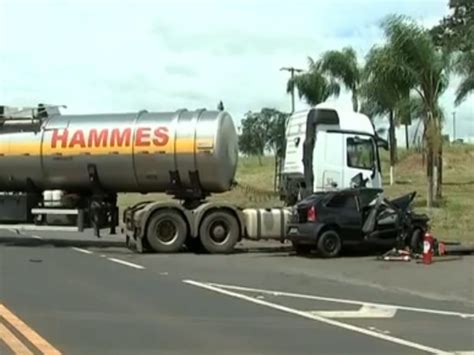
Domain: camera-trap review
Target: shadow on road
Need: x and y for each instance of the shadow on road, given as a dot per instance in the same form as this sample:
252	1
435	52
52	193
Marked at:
30	242
25	241
346	254
260	250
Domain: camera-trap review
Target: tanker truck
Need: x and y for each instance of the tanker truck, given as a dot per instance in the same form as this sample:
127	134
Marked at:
63	172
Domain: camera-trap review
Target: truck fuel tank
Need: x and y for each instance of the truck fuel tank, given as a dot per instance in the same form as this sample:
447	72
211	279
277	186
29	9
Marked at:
126	152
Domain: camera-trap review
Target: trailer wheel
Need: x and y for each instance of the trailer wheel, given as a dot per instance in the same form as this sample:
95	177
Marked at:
166	231
329	244
219	232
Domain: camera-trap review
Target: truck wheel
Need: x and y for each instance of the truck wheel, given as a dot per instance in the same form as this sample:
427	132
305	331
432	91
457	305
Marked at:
219	232
166	231
329	244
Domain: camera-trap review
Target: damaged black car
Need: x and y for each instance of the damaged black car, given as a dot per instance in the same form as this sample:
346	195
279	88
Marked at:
329	221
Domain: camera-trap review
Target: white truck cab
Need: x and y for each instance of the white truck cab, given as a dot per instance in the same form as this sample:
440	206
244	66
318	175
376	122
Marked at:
326	147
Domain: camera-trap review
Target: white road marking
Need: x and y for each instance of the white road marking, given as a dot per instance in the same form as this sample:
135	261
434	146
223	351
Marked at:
123	262
318	318
379	330
469	352
344	301
37	237
103	255
80	250
163	273
366	311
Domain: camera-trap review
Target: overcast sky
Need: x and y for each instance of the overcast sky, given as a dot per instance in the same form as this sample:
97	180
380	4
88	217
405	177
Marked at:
103	56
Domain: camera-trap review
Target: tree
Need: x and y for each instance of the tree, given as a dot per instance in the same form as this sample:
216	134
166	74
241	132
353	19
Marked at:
455	32
314	85
342	66
427	68
277	138
384	90
465	68
277	131
263	130
254	136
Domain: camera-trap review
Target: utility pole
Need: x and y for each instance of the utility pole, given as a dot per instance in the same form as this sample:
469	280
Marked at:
292	70
454	126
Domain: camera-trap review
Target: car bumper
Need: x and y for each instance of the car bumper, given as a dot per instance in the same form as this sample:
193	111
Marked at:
303	233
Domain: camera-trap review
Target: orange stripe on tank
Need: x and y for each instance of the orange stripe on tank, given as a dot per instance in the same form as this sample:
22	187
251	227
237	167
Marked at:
182	146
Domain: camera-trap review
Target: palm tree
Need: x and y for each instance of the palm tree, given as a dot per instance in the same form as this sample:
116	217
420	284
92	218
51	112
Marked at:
385	92
342	66
313	85
427	68
465	67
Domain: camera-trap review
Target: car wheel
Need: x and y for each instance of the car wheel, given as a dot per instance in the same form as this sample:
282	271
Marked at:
219	232
329	244
166	231
416	241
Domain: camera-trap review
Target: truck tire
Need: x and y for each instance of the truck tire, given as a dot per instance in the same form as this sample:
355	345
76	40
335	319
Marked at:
166	232
219	232
329	244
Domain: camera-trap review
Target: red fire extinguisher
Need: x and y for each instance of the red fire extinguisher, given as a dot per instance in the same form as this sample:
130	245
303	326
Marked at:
428	248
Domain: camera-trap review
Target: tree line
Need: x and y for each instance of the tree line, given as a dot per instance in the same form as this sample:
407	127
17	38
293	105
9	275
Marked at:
402	78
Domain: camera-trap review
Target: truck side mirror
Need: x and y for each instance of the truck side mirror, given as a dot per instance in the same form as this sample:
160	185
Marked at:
382	143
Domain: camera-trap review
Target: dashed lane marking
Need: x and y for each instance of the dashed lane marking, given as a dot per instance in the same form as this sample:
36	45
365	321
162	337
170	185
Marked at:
37	237
374	334
126	263
33	337
80	250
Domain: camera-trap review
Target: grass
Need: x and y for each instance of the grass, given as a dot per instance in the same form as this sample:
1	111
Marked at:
453	220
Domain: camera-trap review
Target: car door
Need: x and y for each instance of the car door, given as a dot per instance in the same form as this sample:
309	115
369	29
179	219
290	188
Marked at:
345	210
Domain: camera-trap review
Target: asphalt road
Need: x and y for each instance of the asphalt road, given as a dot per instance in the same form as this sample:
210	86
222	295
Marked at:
79	295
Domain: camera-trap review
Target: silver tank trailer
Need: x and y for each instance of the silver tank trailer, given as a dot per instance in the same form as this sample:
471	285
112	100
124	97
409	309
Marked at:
132	152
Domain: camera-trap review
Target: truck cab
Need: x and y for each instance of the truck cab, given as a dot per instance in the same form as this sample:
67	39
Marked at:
326	147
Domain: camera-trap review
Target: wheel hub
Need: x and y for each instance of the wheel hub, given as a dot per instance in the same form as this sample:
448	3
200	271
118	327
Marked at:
167	231
218	232
330	244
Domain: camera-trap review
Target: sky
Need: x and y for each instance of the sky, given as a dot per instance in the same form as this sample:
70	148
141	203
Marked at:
117	55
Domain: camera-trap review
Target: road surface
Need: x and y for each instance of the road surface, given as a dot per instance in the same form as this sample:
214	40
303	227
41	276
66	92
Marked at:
79	295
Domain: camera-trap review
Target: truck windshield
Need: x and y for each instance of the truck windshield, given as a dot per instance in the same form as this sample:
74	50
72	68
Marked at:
360	153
